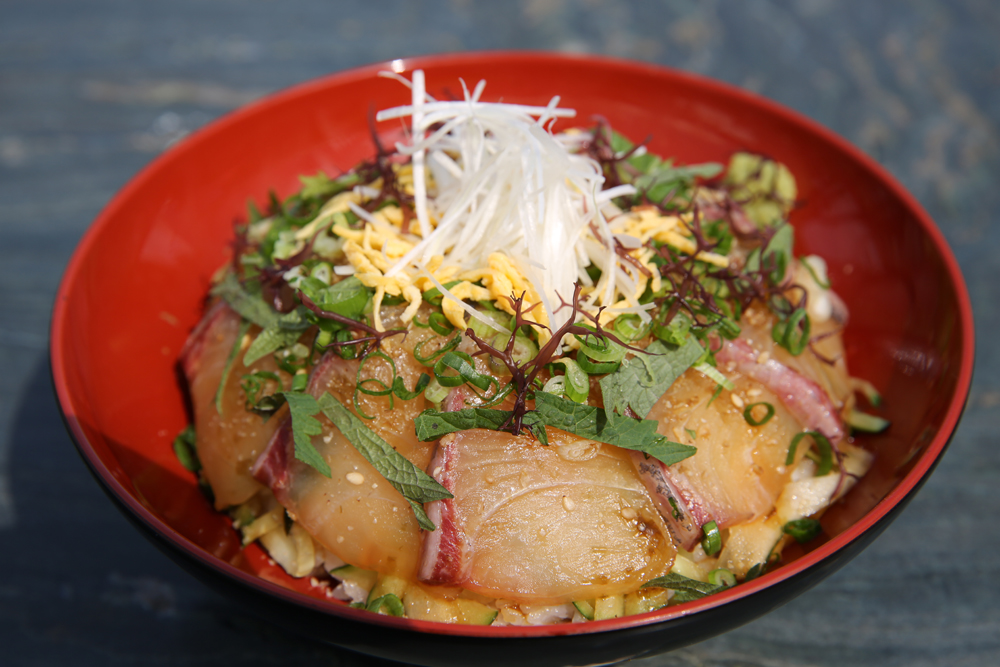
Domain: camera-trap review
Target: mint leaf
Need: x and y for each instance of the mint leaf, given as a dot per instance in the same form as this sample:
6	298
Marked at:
349	297
242	331
413	483
250	307
686	589
593	423
550	410
271	339
431	424
303	409
642	379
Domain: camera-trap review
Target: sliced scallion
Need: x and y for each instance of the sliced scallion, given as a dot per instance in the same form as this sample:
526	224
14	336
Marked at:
722	577
712	540
753	421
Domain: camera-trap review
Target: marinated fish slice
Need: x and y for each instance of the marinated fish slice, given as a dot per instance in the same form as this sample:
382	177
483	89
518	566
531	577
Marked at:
738	470
541	523
355	514
228	443
802	396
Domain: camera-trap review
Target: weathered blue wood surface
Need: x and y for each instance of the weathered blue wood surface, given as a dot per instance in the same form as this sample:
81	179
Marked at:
91	90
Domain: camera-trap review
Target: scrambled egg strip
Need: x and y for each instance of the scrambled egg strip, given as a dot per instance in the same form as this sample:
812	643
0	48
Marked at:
375	248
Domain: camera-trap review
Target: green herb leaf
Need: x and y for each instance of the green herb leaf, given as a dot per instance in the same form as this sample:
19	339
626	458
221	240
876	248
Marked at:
242	331
268	341
431	424
249	306
642	380
303	409
349	297
593	423
687	589
413	483
186	449
802	530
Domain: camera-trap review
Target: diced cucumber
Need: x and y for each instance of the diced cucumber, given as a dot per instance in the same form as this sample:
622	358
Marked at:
471	612
866	423
646	599
363	578
423	606
612	606
585	608
386	584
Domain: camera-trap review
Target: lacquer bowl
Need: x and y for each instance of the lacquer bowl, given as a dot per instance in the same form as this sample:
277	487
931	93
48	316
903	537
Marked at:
136	286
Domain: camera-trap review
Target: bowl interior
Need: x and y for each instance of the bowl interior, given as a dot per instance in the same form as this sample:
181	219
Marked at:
136	284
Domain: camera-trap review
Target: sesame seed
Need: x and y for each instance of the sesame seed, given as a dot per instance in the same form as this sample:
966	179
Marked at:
629	513
753	393
355	478
340	539
568	503
763	357
737	401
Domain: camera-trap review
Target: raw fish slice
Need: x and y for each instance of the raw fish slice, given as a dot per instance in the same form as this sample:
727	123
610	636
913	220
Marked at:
550	524
228	444
355	514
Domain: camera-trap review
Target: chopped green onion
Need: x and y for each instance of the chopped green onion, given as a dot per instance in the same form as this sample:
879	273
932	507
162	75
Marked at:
718	390
788	335
433	296
577	383
524	349
601	349
629	327
714	373
439	324
300	381
748	414
591	367
435	393
866	423
712	542
803	530
403	394
428	360
462	364
722	577
804	261
484	330
825	451
386	389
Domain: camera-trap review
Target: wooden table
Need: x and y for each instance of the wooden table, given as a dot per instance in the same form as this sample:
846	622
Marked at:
91	90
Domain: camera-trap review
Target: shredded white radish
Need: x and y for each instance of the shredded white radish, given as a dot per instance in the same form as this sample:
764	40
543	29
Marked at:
503	183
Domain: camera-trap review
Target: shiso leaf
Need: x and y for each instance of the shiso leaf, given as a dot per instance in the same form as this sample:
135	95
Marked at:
685	589
303	409
413	483
642	379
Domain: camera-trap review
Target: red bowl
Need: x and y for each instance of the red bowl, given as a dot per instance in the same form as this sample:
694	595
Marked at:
136	285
